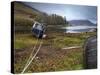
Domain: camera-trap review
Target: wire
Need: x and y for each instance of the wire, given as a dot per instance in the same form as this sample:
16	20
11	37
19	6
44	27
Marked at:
32	58
32	52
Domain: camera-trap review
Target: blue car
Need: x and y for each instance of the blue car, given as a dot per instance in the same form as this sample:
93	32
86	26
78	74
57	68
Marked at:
38	29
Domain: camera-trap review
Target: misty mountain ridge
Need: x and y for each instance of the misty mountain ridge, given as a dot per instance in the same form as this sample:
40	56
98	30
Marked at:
81	23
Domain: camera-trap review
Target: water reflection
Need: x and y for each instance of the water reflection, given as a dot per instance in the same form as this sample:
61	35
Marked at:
79	29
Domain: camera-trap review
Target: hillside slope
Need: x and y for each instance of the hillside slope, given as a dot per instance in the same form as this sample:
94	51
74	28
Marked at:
24	17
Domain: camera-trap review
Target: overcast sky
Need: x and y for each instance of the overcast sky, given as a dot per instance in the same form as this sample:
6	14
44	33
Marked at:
72	12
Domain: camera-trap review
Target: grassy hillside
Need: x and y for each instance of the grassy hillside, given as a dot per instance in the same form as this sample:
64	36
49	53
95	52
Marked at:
24	17
23	10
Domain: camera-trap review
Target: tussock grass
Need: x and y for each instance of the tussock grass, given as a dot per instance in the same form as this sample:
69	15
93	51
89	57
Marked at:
23	41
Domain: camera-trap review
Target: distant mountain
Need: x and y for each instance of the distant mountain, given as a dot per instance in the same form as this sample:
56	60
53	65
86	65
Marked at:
81	23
